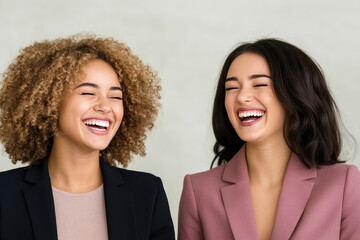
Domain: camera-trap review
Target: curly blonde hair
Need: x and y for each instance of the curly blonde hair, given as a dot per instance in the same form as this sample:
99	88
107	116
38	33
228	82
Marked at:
33	88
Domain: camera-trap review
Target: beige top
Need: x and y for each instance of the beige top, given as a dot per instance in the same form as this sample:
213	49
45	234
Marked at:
80	215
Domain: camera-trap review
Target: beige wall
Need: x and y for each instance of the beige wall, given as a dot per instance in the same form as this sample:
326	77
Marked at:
186	42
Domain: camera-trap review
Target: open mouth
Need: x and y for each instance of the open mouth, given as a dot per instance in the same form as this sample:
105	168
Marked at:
250	116
98	125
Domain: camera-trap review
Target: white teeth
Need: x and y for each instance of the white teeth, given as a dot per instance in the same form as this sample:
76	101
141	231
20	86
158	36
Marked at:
98	129
251	113
248	120
99	123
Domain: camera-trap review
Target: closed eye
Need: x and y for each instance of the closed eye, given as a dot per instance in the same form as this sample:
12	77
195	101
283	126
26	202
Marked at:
87	93
117	98
230	88
260	85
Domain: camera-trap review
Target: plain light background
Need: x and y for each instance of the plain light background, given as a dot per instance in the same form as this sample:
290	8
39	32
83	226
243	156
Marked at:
186	42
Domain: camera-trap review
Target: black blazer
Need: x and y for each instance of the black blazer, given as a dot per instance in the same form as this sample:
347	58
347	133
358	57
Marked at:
136	205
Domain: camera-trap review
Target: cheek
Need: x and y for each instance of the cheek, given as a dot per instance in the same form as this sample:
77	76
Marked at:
66	119
268	99
65	114
281	114
278	111
229	103
119	112
72	109
230	109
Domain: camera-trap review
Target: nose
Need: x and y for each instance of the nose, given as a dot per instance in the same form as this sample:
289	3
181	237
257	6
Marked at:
245	95
102	105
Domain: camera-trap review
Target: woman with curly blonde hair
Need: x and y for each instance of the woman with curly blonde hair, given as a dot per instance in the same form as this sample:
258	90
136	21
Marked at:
72	109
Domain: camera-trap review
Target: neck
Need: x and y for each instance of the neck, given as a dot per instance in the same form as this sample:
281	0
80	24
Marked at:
267	163
74	170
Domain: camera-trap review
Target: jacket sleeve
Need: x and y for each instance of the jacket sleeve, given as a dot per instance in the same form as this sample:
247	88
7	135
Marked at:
189	223
351	206
162	227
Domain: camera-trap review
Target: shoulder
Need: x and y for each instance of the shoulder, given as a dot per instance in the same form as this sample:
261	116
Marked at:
137	176
349	173
211	176
13	173
12	177
132	179
12	184
338	171
140	181
205	183
145	188
338	176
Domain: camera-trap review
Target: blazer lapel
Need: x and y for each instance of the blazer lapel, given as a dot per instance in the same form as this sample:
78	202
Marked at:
118	203
237	198
40	203
297	186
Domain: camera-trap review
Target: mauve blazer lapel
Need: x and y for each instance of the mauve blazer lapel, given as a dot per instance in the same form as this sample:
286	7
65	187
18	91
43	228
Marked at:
296	190
40	203
237	198
118	203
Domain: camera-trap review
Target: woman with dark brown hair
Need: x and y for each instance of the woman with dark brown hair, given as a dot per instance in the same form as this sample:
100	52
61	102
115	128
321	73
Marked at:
72	109
277	148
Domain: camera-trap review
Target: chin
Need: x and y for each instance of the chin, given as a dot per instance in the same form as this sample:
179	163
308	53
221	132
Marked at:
98	147
248	138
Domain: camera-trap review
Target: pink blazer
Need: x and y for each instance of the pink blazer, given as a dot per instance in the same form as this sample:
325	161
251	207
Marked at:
321	204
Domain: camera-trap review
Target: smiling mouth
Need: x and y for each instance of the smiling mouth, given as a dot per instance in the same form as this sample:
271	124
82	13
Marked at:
250	116
98	125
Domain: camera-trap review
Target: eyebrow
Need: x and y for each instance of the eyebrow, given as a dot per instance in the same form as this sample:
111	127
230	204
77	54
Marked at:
116	88
251	77
231	79
259	76
86	84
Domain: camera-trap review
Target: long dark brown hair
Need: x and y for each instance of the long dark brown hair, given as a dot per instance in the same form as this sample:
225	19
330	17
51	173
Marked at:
311	129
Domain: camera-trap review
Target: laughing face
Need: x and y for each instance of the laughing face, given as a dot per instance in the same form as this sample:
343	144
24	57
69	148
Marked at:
251	104
91	113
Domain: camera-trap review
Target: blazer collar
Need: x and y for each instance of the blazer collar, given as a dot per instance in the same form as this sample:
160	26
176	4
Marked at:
40	203
118	204
111	175
296	190
237	198
295	193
